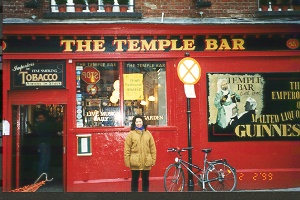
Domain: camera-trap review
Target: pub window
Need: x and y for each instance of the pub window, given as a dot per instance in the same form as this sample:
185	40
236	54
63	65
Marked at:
70	6
98	93
145	92
97	96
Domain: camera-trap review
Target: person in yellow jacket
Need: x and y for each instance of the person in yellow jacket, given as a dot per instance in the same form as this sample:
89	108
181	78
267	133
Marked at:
139	153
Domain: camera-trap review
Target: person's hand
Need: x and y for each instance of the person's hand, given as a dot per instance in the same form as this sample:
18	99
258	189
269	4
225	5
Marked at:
233	99
223	99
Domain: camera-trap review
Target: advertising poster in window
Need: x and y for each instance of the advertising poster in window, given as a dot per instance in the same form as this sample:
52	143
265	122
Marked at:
253	106
133	87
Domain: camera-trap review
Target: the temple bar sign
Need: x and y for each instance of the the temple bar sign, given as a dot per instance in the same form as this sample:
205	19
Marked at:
34	74
133	45
196	43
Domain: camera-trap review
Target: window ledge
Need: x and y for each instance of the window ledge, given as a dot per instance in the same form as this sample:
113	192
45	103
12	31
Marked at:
89	15
278	13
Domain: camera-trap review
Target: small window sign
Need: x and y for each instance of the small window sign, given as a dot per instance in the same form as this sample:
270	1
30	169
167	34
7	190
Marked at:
84	145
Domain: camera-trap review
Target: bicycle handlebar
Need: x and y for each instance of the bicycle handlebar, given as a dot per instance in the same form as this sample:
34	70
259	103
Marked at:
178	150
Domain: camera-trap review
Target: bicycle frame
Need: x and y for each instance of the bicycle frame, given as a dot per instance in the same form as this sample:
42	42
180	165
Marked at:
215	171
201	177
206	164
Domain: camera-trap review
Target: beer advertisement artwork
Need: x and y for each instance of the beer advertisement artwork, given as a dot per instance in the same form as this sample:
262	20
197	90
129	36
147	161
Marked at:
253	106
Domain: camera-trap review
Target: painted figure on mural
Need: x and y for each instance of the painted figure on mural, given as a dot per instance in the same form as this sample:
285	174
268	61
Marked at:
139	153
248	115
225	101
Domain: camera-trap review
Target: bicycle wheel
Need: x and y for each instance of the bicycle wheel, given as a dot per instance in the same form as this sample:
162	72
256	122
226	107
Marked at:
174	178
221	177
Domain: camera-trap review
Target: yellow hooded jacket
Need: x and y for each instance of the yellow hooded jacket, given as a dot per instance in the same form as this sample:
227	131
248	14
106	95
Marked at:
139	150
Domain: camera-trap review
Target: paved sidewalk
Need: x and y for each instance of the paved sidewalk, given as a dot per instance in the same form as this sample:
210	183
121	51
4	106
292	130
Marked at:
297	189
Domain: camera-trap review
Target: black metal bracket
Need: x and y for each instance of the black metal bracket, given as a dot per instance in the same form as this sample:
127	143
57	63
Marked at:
201	3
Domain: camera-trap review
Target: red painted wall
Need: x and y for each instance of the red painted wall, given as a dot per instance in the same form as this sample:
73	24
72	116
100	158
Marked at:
262	164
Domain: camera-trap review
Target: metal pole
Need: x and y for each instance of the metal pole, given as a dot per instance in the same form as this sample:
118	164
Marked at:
190	176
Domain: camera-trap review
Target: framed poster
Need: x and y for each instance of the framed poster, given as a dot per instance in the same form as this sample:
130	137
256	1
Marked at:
84	145
253	106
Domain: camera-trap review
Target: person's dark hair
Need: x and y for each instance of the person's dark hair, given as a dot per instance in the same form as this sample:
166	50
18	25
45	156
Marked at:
42	113
132	127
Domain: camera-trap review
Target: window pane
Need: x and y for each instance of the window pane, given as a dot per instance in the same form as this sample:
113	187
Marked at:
97	96
145	92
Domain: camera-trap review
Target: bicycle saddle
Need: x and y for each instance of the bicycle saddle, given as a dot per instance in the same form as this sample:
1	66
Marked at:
206	150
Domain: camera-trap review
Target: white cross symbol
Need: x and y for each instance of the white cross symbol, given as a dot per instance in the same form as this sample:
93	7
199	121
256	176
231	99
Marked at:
189	71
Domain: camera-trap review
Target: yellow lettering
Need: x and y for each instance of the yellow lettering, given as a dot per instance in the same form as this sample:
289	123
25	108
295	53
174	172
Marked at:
188	45
119	44
211	44
81	46
173	46
224	45
163	44
68	44
145	46
98	45
237	44
133	45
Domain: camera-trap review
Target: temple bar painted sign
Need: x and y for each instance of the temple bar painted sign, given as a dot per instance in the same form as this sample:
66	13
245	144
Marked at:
33	74
97	44
247	107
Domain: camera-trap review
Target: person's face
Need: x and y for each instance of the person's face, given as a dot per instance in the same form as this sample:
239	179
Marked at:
248	106
224	85
234	111
41	118
138	122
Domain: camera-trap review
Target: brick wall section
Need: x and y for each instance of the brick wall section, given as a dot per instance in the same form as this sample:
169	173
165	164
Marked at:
16	9
153	8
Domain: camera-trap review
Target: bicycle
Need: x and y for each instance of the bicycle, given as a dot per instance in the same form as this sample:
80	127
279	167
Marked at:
217	174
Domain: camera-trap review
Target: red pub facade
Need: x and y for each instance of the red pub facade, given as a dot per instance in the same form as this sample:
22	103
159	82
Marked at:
97	76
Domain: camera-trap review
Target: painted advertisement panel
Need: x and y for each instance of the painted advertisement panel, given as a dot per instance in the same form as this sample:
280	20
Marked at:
253	106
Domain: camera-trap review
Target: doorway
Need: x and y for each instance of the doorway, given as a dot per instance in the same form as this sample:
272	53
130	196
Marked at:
26	145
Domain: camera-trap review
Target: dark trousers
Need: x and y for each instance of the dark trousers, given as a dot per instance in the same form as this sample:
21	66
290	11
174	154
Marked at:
135	180
44	158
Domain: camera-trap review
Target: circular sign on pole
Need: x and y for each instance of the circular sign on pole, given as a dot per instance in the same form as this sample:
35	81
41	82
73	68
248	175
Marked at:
189	71
90	75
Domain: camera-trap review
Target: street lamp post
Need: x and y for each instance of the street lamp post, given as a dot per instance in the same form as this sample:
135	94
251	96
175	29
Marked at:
190	176
189	72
